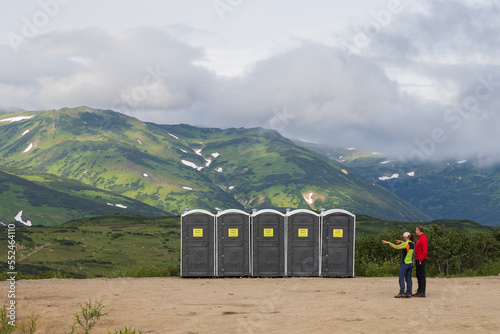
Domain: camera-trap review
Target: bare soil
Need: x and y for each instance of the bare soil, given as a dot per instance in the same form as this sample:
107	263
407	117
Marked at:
263	305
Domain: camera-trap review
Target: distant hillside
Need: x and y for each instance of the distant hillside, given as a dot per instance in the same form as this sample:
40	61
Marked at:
172	167
366	225
114	245
130	245
46	199
466	189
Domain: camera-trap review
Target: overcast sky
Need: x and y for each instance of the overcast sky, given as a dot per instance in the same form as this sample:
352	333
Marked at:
414	79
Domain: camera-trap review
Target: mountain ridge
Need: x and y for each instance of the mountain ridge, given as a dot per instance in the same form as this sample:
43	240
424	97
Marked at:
446	189
172	167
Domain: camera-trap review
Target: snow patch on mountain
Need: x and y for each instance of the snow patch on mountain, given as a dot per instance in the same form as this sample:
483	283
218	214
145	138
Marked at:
27	149
198	152
16	119
19	218
121	206
393	176
174	136
311	196
192	165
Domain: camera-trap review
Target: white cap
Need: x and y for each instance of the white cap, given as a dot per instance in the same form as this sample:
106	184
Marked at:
406	235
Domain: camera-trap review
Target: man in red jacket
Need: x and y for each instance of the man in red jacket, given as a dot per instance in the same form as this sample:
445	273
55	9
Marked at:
421	260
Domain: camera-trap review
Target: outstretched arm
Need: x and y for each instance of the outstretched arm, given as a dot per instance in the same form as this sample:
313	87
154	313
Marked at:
398	246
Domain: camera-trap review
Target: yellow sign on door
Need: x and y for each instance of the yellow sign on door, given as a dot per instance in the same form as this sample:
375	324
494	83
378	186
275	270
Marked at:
268	232
303	232
338	233
232	232
197	232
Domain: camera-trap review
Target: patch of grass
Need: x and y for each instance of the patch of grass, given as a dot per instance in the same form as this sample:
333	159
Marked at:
127	331
148	271
107	246
6	326
89	315
32	324
490	268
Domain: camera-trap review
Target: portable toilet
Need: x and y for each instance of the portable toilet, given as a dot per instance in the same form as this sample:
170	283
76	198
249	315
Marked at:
268	243
198	244
303	251
338	233
233	243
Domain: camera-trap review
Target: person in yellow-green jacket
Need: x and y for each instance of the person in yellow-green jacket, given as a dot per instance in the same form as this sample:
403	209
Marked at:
407	248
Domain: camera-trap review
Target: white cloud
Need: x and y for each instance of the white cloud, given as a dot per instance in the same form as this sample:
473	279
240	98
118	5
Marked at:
290	72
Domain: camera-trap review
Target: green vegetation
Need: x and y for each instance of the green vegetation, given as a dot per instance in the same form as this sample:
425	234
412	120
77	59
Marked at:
369	226
81	159
32	325
88	316
127	331
451	189
86	319
469	189
451	253
106	246
122	156
135	246
5	326
50	200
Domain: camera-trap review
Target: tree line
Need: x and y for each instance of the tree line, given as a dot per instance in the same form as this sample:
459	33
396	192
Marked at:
450	253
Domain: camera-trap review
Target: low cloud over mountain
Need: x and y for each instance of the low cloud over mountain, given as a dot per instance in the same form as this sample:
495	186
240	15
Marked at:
416	81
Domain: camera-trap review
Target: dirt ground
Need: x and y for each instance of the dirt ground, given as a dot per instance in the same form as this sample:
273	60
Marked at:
263	305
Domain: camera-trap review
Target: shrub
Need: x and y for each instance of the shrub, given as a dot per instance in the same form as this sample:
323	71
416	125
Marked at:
451	253
5	327
88	316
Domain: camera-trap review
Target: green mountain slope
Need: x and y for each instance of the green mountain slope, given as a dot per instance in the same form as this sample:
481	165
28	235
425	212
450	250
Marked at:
110	151
49	200
262	169
443	189
172	167
113	245
452	189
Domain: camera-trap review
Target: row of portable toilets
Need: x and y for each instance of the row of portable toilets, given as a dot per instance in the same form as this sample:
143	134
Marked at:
267	243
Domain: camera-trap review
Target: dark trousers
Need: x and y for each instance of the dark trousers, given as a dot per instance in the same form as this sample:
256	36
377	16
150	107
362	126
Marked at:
420	271
405	276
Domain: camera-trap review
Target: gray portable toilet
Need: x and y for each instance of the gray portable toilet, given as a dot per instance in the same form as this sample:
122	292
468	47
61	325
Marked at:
233	243
268	243
303	253
338	242
198	244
